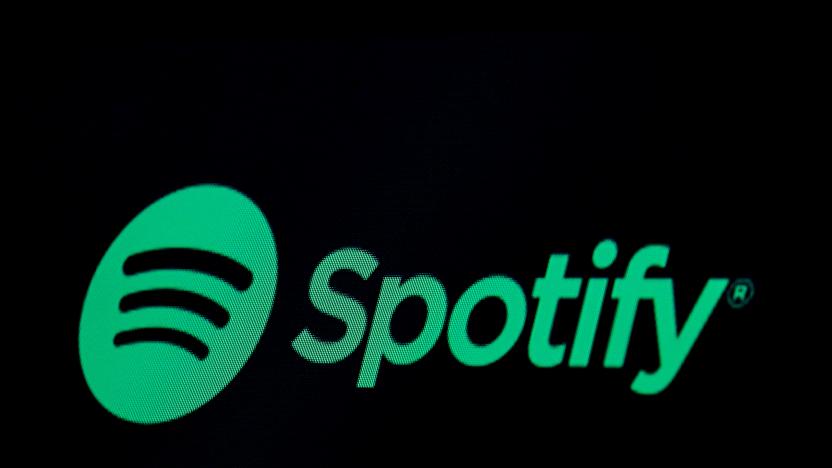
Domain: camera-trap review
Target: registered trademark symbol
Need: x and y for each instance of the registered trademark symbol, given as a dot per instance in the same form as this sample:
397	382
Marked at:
740	293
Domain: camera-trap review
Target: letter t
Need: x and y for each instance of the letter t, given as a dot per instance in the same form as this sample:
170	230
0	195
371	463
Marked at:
549	291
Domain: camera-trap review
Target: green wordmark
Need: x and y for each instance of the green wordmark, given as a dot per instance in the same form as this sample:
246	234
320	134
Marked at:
674	341
178	304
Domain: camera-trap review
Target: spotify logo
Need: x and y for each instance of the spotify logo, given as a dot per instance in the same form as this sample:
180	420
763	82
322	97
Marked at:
180	300
177	304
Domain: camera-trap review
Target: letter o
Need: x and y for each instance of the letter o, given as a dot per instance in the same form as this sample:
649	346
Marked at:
512	295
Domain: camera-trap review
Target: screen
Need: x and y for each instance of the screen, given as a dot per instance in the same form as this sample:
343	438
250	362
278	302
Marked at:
519	249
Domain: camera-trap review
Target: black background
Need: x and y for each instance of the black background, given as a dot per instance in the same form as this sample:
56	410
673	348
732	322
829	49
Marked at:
457	155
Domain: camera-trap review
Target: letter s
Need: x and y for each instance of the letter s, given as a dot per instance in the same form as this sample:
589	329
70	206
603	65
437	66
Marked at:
337	305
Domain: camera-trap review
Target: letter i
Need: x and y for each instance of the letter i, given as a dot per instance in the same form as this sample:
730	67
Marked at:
602	257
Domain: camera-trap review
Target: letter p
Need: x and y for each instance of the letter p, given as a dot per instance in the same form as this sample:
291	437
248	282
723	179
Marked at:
380	342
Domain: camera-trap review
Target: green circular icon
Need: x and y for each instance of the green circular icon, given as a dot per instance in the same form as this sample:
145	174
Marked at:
178	304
